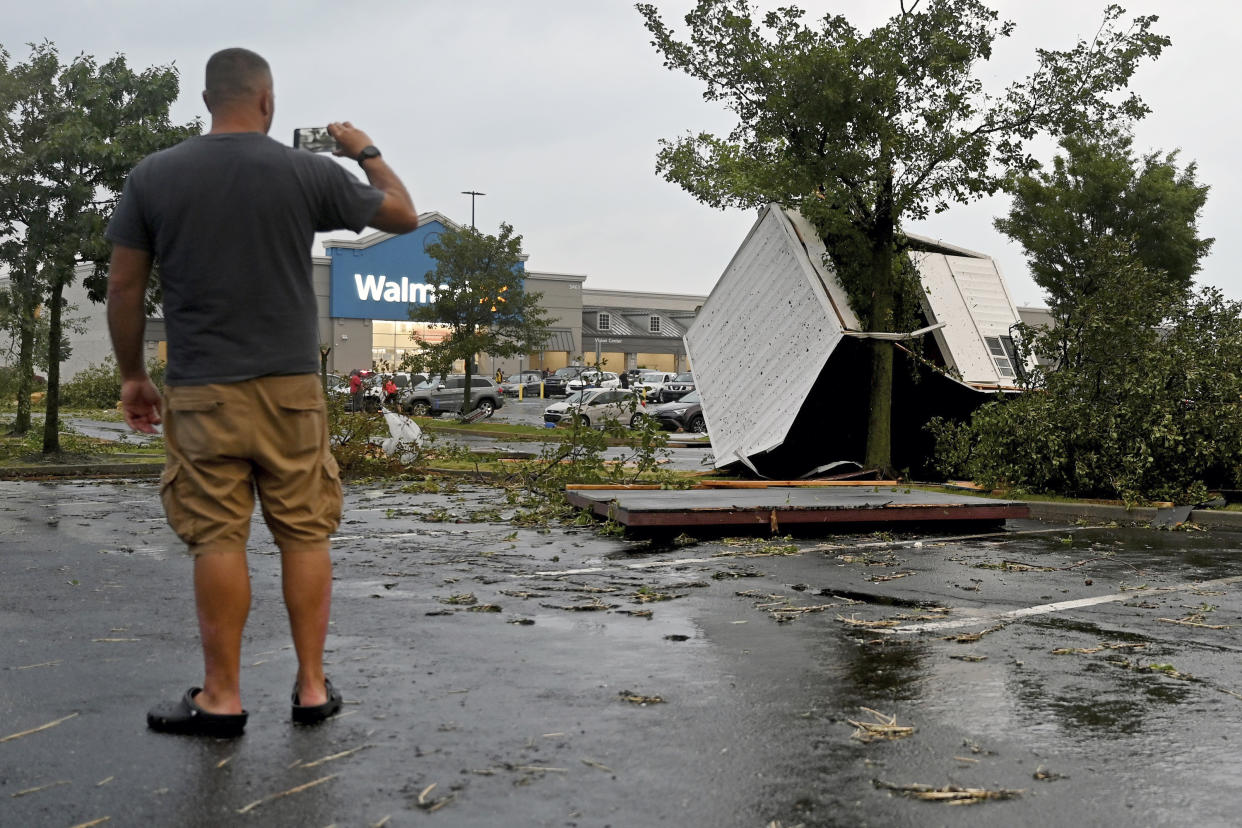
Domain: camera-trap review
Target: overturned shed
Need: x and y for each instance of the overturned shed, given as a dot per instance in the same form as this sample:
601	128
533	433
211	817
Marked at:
783	371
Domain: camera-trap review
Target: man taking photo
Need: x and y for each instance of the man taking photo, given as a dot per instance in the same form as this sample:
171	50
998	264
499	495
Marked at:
231	216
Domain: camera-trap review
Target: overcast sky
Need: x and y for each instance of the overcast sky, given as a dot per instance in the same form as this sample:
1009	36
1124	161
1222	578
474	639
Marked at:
554	109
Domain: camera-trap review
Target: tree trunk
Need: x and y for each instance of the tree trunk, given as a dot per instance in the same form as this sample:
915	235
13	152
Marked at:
879	453
51	417
465	391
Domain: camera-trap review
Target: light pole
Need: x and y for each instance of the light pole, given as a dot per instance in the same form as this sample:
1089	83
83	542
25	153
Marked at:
473	194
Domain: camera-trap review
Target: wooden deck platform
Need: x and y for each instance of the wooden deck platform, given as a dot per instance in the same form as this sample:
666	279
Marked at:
775	507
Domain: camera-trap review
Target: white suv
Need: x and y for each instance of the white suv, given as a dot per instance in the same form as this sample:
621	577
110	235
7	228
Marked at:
593	379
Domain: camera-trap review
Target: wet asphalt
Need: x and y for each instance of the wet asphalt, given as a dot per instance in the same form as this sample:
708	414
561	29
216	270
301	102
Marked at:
1094	672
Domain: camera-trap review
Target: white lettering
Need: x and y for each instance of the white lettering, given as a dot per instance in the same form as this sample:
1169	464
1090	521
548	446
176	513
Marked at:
371	289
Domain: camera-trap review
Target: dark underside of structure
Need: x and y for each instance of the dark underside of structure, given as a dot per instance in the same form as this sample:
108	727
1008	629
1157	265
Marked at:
832	423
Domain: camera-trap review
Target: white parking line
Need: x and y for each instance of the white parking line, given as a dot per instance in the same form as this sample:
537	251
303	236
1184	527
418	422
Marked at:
1044	609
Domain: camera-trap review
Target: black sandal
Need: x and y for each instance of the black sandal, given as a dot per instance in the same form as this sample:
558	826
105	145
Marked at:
187	718
310	714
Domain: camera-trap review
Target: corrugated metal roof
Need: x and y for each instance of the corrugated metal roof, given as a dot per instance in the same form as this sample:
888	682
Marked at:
632	322
559	339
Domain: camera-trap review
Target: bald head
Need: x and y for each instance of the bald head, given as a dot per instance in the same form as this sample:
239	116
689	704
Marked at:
236	76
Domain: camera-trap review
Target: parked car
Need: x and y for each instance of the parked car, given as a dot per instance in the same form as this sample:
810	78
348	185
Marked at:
592	406
685	414
440	394
554	385
650	383
528	381
676	388
593	379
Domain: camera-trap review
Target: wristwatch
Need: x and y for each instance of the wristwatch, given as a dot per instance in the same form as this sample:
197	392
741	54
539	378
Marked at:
368	152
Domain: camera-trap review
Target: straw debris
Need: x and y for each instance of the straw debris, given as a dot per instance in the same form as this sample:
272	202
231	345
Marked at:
247	809
882	727
639	699
595	605
12	736
949	794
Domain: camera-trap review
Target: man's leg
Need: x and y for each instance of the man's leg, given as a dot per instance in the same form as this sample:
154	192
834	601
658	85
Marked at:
222	594
306	578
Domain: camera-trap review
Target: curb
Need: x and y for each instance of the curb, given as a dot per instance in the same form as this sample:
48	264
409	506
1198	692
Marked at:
1142	515
82	470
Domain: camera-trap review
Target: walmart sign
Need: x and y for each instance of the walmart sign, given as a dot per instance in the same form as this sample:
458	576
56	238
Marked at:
385	279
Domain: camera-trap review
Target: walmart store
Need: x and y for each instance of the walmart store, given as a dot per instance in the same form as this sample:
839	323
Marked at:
366	287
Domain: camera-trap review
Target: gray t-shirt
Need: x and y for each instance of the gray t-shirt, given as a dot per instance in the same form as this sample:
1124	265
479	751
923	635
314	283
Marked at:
231	219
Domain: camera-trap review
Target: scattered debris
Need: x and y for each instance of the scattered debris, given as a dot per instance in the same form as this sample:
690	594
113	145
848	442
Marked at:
93	822
639	699
646	594
1117	645
968	638
1195	619
883	728
462	598
1046	775
248	808
876	579
951	794
12	736
55	784
636	613
336	756
484	608
968	657
858	622
432	805
598	766
595	606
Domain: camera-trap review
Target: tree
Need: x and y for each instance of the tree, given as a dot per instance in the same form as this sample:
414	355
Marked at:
1144	396
69	134
481	300
862	133
1098	189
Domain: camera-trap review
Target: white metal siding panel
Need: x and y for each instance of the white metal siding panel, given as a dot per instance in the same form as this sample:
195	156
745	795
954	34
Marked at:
761	340
948	304
985	295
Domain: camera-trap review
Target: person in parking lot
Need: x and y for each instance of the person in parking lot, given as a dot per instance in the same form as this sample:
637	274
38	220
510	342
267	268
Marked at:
355	390
390	391
231	216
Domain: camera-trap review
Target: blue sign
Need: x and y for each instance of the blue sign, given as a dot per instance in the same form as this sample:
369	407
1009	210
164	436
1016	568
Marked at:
384	280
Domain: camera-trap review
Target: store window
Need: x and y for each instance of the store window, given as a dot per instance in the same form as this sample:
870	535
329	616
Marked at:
604	322
653	324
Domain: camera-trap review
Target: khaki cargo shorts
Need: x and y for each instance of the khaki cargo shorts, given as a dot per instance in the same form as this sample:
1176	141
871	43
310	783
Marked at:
225	442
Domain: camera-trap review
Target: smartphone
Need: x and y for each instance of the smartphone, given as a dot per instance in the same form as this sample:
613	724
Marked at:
315	139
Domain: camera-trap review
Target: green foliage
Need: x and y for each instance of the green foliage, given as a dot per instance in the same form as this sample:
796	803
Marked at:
863	132
98	386
69	134
1139	393
580	459
482	301
1097	188
1163	422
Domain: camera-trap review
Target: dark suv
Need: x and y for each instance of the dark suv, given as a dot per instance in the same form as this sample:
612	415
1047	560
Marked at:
441	394
676	388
